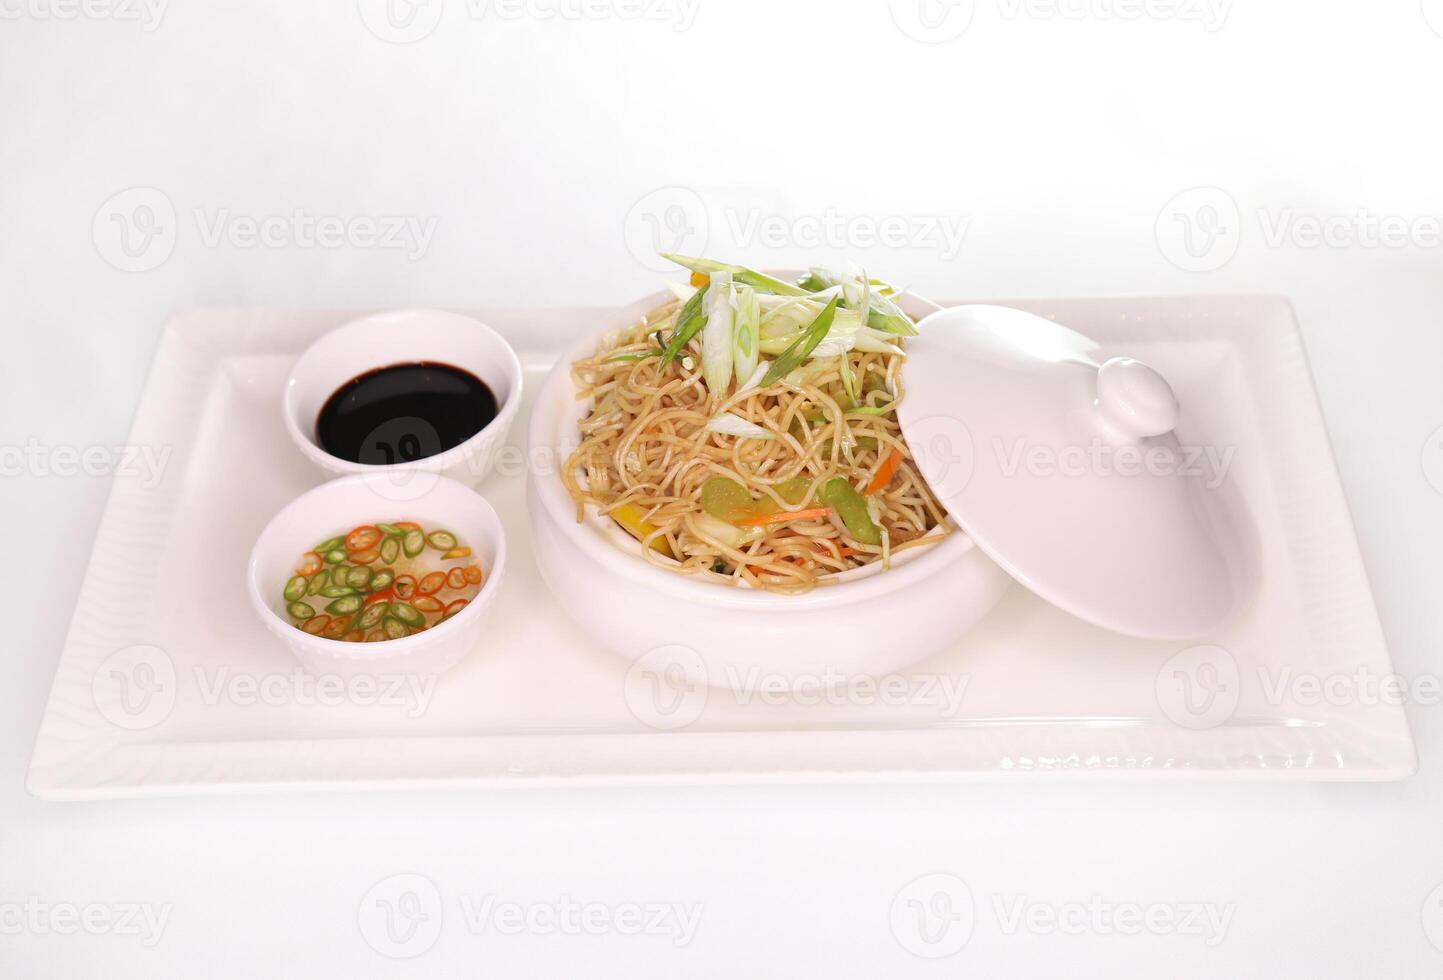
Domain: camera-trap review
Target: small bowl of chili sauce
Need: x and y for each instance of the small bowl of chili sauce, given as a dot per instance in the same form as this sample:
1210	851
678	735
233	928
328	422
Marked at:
375	574
406	392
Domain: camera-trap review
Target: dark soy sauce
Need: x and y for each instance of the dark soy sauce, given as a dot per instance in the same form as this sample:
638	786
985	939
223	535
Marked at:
404	412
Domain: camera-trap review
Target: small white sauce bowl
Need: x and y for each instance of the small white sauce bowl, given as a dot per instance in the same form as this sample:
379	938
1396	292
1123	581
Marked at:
336	507
869	622
405	337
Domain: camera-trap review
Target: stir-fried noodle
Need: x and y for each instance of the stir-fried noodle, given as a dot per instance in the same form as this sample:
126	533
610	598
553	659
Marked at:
647	455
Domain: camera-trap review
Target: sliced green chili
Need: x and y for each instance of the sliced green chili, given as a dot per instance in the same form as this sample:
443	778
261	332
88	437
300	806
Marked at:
390	550
345	605
407	613
371	615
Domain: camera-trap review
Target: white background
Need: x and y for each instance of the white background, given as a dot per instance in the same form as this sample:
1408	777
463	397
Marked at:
1061	138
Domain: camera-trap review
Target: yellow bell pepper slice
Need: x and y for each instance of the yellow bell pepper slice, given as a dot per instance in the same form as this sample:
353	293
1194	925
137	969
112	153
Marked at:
629	517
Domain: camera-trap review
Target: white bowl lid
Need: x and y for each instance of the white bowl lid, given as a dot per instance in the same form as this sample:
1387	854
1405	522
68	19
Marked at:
1062	465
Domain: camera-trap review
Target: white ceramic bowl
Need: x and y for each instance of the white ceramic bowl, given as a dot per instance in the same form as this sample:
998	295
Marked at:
868	623
334	507
399	337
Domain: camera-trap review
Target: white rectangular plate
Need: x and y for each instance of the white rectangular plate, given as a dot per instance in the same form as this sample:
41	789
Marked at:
213	703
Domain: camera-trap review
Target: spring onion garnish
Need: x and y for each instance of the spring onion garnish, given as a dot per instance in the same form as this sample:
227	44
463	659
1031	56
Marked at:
635	355
759	281
849	377
842	337
885	315
745	333
755	378
726	533
716	336
882	313
733	425
864	302
798	352
874	342
688	321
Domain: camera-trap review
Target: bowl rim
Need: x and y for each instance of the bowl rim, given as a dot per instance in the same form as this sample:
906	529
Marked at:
388	648
548	413
505	412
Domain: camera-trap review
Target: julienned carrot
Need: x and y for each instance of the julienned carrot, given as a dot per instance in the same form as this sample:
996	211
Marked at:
700	279
783	515
885	472
789	559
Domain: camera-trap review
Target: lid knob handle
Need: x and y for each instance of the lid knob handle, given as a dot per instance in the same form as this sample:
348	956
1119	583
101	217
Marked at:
1135	400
